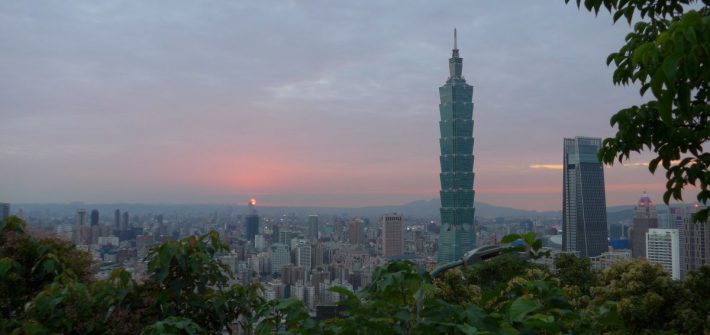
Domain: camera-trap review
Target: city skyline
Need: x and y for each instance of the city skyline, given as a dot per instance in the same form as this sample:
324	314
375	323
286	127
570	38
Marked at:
105	104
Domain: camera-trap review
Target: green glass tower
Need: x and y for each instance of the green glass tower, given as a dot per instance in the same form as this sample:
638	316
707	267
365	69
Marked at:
457	212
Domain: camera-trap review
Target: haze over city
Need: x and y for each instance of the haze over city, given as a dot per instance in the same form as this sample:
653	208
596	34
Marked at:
299	103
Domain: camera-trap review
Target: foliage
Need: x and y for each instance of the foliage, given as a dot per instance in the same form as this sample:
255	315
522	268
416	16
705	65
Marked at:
575	272
187	292
27	265
668	53
644	296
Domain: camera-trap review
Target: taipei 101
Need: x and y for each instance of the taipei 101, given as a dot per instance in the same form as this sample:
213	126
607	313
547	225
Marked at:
355	167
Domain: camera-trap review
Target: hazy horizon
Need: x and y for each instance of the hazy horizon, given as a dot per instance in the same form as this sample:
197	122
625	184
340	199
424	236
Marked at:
300	104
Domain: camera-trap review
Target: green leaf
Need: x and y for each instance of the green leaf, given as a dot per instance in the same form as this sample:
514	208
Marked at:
510	238
520	308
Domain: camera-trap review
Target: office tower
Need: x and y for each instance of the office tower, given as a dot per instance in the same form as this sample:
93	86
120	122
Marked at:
4	210
251	222
696	238
259	242
355	231
126	222
584	228
645	218
313	227
81	225
285	237
457	234
663	247
117	220
392	235
95	217
280	257
304	255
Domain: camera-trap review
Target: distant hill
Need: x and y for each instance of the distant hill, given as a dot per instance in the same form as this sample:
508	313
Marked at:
421	208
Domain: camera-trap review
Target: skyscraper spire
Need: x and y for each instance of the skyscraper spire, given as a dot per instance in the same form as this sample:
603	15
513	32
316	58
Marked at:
455	62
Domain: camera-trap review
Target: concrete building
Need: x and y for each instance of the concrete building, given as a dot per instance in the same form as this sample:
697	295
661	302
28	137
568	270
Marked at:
392	235
645	218
355	231
280	256
81	230
663	247
313	227
304	256
584	225
695	244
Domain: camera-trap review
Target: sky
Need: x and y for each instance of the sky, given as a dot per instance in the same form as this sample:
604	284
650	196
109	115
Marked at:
299	103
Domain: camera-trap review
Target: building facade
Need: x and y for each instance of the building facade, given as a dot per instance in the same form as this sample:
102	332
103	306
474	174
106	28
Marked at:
457	234
392	235
4	210
355	231
663	247
251	222
584	226
645	218
313	227
695	241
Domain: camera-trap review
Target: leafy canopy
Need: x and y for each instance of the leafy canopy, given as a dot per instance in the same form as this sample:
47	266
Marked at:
667	54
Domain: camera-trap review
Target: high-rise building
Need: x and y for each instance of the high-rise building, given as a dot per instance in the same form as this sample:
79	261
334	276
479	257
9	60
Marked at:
251	222
304	255
645	218
117	219
355	231
126	222
663	247
81	227
392	235
4	210
584	226
457	234
696	241
280	257
313	227
95	217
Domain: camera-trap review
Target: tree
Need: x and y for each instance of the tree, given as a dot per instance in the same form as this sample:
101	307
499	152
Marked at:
643	295
668	53
574	271
28	265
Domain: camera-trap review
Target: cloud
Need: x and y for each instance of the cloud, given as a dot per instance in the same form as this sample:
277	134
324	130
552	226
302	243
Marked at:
546	166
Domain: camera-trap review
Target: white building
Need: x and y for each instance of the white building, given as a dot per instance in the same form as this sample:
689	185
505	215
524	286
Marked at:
663	247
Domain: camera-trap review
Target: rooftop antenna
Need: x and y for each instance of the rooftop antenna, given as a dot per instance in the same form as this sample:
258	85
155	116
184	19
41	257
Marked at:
455	44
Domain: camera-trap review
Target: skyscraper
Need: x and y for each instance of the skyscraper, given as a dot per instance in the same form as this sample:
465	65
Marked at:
392	235
645	218
126	222
695	240
584	228
81	231
457	233
251	222
355	231
94	217
663	247
117	220
313	227
4	210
